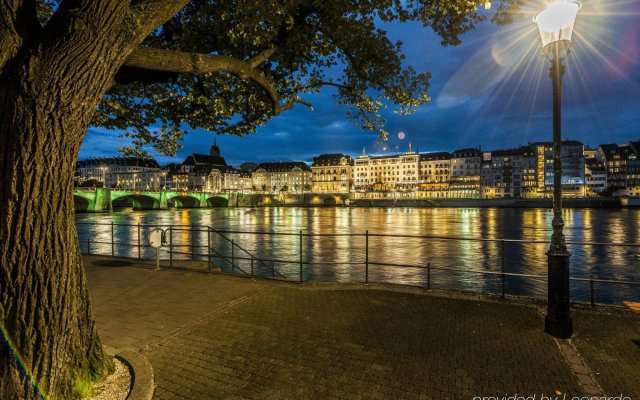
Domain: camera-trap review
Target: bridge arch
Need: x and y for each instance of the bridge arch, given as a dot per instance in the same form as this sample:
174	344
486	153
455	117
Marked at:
83	203
217	201
183	200
140	201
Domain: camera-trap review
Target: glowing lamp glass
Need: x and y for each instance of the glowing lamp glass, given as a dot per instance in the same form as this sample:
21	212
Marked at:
556	21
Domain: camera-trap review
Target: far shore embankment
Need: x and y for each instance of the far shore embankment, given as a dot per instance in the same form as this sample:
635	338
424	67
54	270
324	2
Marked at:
489	203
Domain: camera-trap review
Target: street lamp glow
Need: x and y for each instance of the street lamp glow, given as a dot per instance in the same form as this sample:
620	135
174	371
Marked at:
556	21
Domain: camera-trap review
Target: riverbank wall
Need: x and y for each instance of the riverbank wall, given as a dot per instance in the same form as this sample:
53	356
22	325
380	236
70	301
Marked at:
488	203
310	200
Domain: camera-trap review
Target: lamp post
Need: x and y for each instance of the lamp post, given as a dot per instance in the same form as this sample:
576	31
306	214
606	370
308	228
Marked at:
556	25
134	181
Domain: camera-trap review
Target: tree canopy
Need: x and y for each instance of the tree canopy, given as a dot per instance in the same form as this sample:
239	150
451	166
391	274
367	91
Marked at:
230	65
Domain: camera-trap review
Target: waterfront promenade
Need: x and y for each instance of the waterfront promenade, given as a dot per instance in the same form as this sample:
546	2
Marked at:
219	336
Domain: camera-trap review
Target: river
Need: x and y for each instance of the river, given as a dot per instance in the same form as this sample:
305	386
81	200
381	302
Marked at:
339	255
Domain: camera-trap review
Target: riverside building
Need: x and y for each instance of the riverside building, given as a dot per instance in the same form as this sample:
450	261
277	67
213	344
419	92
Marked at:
332	173
112	170
465	174
434	172
387	173
275	177
573	169
508	173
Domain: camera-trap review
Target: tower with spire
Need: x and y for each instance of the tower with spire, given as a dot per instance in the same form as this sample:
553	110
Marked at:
215	150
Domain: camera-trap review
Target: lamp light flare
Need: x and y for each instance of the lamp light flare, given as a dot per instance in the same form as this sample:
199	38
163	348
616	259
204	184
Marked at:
401	135
487	5
556	21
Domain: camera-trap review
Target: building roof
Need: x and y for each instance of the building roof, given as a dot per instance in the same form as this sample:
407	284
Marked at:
206	169
247	166
520	151
468	152
118	161
564	143
326	160
440	155
282	166
204	159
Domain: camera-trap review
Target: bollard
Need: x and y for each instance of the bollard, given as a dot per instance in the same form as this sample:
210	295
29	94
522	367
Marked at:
233	256
252	265
88	246
428	275
593	294
366	257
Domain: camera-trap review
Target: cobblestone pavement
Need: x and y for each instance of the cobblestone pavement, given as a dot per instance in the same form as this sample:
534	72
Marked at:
609	341
216	336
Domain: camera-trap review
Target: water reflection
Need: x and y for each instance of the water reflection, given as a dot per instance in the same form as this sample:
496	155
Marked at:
337	252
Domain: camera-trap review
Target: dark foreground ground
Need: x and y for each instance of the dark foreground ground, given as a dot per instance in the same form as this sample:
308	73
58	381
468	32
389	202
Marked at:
217	336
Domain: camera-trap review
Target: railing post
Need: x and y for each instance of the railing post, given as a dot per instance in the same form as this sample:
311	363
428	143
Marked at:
592	287
233	256
366	257
171	246
300	251
209	248
113	249
193	248
428	275
252	265
139	254
502	277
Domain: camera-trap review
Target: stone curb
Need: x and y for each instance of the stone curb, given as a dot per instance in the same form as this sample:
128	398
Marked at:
142	379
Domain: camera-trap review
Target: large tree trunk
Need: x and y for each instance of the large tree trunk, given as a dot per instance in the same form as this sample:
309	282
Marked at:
49	346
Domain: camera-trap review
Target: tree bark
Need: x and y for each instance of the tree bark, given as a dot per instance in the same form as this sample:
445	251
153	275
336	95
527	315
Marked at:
49	346
51	340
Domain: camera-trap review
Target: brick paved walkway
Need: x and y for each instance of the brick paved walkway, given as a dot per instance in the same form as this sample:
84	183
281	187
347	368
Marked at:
216	336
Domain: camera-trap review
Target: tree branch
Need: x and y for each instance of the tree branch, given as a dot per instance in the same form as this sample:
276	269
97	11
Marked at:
262	57
150	14
199	64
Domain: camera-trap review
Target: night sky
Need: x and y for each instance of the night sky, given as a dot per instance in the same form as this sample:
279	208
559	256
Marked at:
492	91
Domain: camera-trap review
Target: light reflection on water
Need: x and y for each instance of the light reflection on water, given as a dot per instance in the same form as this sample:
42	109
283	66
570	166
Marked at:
341	258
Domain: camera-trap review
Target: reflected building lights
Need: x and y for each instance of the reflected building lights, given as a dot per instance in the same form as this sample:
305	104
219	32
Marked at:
607	226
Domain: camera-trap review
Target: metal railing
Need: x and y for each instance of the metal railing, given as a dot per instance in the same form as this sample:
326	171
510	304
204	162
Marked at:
220	245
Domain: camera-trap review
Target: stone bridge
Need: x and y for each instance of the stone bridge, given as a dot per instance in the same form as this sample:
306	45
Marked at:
97	200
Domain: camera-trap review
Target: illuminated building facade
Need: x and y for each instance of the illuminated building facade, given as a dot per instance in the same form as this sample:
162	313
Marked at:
622	164
292	177
332	173
508	173
386	173
465	174
113	169
573	169
434	172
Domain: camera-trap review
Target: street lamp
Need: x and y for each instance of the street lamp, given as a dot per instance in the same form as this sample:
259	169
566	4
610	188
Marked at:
556	25
134	181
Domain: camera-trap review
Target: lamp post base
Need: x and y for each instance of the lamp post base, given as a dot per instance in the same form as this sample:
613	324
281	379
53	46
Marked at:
558	321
